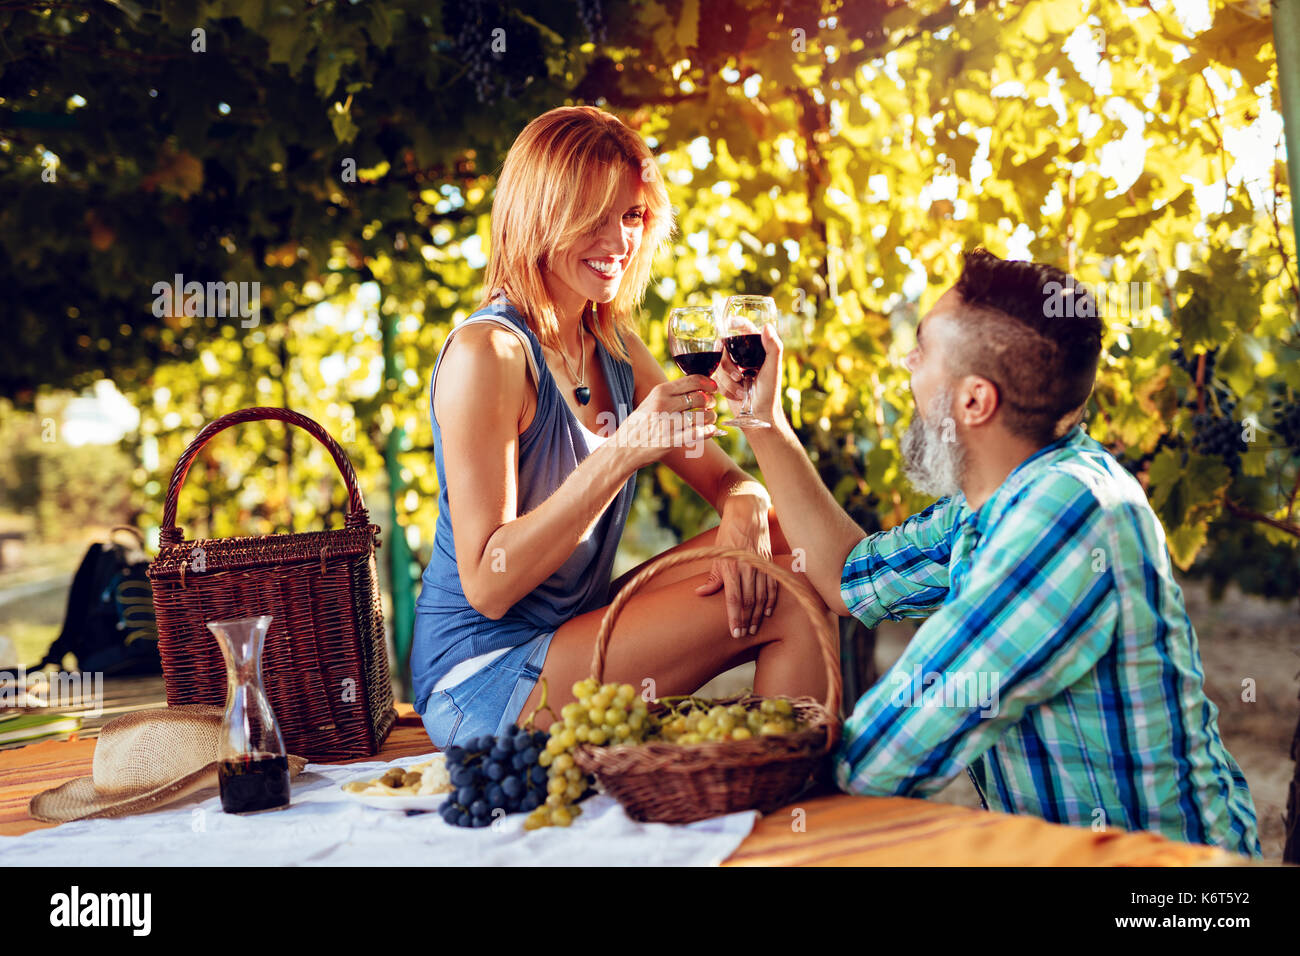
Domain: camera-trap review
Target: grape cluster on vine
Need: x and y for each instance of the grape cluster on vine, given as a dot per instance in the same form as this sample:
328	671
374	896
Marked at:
480	31
1216	432
592	14
1286	423
470	24
1219	436
1188	362
493	774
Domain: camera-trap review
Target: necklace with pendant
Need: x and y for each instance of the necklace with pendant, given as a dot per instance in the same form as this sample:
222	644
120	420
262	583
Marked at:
582	393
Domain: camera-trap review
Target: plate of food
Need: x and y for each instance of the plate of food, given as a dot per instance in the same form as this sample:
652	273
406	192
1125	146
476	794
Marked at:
421	786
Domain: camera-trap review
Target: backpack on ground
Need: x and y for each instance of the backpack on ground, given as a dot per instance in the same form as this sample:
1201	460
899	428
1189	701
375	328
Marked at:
109	623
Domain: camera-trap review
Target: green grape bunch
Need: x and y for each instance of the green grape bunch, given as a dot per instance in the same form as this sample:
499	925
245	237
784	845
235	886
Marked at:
695	721
612	715
601	715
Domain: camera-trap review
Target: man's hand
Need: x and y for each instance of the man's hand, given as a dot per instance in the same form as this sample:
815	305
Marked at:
767	385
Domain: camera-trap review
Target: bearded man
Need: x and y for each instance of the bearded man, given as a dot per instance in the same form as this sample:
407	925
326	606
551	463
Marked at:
1056	664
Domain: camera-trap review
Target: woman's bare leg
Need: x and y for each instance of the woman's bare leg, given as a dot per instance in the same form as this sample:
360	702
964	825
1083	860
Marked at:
680	641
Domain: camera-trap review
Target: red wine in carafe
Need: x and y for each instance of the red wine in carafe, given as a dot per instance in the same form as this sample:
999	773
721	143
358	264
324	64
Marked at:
698	363
746	351
254	782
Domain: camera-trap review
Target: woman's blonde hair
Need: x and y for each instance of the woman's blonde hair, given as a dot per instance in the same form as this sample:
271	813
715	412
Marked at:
557	185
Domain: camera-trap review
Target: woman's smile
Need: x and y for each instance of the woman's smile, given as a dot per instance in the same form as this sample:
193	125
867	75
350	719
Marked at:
609	269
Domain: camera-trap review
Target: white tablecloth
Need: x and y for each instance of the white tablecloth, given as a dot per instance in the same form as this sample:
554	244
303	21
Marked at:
325	827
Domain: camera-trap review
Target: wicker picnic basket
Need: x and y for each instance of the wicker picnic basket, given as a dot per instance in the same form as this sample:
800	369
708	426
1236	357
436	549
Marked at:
324	660
663	782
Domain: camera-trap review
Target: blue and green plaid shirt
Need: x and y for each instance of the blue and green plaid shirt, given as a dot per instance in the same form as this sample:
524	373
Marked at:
1057	665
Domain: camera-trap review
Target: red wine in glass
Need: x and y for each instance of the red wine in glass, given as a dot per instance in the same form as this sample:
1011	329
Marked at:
742	319
746	351
699	363
694	342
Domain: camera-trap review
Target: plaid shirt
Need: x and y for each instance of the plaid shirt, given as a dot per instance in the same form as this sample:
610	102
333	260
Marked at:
1057	665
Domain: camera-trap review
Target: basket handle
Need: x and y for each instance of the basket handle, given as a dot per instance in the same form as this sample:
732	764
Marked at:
825	637
357	516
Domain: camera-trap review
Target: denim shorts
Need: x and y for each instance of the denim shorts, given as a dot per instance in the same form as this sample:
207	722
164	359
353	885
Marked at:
489	700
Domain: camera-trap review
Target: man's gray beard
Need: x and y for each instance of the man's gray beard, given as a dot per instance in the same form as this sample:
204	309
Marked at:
934	466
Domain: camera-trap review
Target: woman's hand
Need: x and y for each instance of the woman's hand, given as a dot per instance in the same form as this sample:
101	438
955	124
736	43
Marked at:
673	413
751	594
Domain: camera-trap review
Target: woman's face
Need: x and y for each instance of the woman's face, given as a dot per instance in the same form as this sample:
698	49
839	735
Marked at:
593	268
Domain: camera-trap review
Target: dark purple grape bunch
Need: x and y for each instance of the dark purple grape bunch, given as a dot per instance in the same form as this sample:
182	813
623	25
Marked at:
1215	434
495	773
1188	362
470	23
1286	423
502	52
1219	435
592	14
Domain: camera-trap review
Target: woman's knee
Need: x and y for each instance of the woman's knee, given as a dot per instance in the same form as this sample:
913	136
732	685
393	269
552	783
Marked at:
794	565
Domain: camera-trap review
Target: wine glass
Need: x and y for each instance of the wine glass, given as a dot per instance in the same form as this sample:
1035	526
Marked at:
694	341
743	319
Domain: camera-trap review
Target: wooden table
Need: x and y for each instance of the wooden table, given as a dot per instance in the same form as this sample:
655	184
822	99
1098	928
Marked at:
826	830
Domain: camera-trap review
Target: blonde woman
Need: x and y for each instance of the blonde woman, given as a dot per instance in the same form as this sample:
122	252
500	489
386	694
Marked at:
545	405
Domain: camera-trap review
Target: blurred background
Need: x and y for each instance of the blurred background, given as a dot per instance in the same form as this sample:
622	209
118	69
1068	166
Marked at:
839	156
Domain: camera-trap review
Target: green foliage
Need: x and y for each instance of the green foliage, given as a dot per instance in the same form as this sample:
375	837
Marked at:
836	155
1238	552
822	168
65	487
228	163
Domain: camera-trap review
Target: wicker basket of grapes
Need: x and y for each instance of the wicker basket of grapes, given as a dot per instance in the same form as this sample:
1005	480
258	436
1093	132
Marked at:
683	759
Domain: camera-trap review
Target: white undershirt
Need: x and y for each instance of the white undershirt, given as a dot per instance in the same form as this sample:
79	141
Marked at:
467	669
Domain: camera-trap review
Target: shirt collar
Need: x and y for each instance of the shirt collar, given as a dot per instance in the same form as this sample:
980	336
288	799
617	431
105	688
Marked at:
992	509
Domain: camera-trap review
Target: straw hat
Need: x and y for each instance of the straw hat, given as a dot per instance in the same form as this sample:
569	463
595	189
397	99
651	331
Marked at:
143	760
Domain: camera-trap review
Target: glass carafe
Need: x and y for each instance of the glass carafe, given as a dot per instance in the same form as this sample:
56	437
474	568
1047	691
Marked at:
253	767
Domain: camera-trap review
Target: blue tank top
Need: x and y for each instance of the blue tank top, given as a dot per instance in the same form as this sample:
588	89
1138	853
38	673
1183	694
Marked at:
448	628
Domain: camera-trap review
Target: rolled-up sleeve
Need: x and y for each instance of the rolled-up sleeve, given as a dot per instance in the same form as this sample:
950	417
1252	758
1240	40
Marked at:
902	572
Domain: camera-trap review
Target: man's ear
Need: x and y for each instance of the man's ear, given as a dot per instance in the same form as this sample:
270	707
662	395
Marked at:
978	400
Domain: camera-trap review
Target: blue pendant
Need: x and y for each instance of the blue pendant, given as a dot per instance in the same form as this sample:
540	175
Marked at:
583	394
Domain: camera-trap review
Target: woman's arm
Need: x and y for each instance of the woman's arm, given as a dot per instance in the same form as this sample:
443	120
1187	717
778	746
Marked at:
479	401
704	466
742	504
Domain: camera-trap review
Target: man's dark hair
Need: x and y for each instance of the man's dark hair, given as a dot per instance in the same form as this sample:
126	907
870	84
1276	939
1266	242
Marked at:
1035	333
